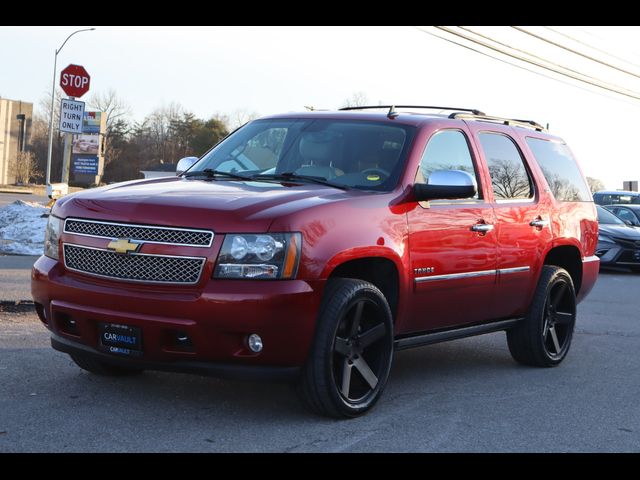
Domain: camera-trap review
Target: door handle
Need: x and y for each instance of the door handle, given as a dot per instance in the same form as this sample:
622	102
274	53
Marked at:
482	227
539	223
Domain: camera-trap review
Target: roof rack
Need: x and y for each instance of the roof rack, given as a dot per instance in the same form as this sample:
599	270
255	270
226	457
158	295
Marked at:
392	109
505	121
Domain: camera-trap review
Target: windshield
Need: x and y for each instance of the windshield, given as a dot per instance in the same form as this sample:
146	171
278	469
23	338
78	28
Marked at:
605	216
355	154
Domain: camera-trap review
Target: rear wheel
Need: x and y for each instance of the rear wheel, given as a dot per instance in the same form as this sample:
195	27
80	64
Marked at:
352	352
98	367
543	338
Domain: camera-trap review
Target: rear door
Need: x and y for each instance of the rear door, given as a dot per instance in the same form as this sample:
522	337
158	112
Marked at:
452	243
523	228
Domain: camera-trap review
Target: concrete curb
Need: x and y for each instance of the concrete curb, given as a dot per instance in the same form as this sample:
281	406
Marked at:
10	190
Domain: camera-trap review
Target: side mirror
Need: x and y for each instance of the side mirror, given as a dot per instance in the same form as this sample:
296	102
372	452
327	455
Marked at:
629	222
446	184
185	164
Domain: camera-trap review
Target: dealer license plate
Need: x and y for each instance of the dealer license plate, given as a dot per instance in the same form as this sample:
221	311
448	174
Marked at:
120	339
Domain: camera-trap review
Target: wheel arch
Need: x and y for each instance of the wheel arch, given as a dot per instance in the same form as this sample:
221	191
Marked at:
381	271
569	258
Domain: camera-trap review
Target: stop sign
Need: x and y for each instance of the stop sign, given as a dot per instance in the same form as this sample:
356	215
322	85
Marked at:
74	80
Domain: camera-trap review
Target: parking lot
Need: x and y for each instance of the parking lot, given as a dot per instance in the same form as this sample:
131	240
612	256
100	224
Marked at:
463	396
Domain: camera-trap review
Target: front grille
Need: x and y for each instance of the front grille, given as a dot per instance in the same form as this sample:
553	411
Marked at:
146	233
628	257
628	243
133	267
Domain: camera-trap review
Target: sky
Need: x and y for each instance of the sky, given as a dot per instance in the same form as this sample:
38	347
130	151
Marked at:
268	70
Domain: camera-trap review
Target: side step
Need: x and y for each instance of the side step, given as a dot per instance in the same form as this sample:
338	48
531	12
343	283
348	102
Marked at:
444	336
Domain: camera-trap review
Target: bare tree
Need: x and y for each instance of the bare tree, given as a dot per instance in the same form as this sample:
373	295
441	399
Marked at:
159	127
114	107
239	117
561	188
595	184
40	133
357	99
509	181
25	168
44	106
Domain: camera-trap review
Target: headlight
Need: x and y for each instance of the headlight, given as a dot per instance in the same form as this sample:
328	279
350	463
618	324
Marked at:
52	237
264	256
604	238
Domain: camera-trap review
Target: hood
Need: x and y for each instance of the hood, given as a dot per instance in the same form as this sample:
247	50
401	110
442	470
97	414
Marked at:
619	231
223	206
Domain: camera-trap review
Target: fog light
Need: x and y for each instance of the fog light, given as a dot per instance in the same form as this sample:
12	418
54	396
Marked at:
255	343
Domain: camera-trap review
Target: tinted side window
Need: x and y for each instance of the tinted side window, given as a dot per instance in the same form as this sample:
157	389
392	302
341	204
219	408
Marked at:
447	150
560	169
509	177
602	199
626	215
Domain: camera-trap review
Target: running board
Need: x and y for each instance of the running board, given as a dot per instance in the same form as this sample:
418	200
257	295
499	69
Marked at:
444	336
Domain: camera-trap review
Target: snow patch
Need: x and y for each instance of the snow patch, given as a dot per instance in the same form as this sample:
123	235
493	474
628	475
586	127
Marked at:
22	227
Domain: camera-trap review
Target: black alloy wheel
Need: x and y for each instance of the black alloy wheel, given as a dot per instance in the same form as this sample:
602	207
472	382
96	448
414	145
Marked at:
559	318
543	338
359	354
352	352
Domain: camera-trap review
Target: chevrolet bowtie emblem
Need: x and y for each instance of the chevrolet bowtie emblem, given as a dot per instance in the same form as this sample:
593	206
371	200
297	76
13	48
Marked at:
122	245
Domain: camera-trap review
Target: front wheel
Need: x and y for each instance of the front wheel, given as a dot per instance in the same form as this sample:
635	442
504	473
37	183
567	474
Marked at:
543	338
352	351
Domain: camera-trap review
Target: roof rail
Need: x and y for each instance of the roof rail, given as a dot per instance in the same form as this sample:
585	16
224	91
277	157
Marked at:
506	121
426	107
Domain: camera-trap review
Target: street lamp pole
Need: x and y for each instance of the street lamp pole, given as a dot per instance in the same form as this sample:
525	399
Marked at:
53	100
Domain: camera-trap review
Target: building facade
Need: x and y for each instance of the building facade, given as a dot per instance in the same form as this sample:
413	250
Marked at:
15	134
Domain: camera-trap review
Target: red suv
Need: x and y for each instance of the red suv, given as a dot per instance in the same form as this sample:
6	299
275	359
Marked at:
312	246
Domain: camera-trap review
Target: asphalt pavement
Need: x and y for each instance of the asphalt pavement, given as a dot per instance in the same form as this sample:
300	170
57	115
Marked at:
7	198
15	277
463	396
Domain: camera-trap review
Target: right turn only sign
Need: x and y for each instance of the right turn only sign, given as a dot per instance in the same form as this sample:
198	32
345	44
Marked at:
71	115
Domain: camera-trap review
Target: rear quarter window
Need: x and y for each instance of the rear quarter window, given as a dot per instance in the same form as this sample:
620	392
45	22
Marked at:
560	170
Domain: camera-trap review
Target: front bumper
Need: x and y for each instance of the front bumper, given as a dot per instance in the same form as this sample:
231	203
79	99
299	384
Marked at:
220	370
615	255
217	318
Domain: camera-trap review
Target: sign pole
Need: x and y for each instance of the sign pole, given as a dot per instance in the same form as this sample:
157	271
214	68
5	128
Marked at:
53	101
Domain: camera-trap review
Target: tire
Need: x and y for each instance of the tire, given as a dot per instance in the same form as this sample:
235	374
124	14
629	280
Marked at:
352	351
543	338
635	269
101	368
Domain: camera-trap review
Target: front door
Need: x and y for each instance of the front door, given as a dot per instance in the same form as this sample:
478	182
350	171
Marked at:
452	244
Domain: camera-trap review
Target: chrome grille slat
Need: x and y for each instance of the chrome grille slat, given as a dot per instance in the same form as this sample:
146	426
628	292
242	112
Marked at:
144	233
136	267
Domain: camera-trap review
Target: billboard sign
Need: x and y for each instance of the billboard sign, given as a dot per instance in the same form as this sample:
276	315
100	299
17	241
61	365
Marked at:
86	144
91	123
85	164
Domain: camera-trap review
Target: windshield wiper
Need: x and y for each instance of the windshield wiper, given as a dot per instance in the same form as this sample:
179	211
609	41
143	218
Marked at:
211	173
291	176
